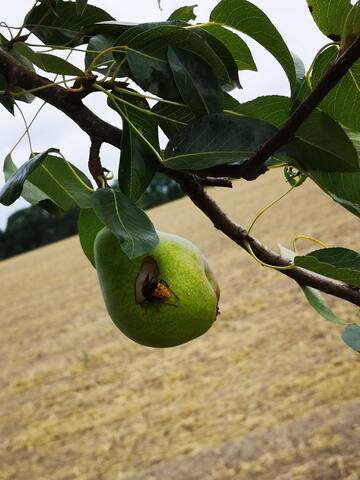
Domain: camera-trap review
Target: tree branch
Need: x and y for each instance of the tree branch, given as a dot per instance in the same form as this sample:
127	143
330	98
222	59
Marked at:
19	76
255	165
95	167
239	235
214	182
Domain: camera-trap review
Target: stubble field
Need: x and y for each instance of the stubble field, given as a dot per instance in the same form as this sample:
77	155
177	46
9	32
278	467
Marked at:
269	393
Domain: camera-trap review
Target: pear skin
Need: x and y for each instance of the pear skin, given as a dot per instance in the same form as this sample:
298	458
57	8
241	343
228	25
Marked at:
190	288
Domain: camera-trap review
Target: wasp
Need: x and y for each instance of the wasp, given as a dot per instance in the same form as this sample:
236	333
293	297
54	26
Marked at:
154	289
150	289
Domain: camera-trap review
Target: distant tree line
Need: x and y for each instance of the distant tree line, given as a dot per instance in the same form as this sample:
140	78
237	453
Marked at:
161	190
34	227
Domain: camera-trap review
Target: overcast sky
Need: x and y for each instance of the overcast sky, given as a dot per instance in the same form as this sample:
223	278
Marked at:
53	129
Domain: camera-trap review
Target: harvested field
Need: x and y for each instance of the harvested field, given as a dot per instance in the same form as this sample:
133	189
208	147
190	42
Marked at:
269	393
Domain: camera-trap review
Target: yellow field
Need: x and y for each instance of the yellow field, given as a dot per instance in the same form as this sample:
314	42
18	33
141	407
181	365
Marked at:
270	392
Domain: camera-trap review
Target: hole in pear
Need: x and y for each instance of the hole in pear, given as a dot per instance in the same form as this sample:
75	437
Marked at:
149	269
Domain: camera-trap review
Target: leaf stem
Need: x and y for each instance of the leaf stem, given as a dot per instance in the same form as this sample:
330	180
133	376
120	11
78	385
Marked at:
310	239
123	114
42	87
150	97
265	209
103	53
5	25
26	131
264	264
26	128
202	25
142	110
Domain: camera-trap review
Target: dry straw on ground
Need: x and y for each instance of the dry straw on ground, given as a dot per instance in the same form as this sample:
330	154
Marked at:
270	392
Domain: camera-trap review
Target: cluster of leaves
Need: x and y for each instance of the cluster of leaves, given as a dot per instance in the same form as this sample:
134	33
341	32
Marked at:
191	68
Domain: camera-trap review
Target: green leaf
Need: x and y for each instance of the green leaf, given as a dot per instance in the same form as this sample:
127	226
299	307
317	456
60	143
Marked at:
249	19
339	263
226	57
351	336
322	132
324	145
51	4
104	63
216	139
66	26
336	177
147	46
273	109
64	183
302	92
351	25
317	301
26	97
30	193
89	225
313	295
137	110
355	140
137	166
47	62
319	130
196	82
343	187
183	13
53	178
172	118
21	58
3	40
130	224
330	15
81	6
138	162
299	69
236	46
108	27
343	102
13	187
152	74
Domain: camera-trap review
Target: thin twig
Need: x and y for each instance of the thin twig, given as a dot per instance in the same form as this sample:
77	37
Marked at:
95	168
214	182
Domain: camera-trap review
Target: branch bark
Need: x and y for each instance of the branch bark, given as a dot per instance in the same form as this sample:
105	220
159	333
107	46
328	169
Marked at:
95	167
239	235
214	182
19	76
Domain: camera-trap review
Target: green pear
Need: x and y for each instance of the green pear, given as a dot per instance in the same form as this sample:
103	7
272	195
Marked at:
185	303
